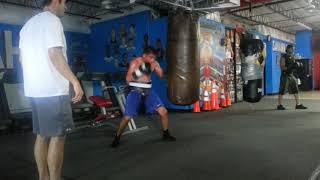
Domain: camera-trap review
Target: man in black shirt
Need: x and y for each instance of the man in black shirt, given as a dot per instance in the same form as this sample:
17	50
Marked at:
287	80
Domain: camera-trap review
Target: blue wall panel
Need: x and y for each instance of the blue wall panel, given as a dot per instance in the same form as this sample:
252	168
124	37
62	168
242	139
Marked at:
304	44
273	71
15	41
100	42
100	47
268	71
77	44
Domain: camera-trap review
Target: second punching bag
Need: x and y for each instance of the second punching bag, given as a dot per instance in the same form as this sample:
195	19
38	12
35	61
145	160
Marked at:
183	58
252	69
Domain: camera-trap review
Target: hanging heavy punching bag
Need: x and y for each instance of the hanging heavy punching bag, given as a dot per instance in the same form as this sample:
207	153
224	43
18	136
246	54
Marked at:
183	58
252	69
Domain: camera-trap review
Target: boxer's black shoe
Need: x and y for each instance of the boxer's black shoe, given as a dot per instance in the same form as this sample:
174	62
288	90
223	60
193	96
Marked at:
280	107
301	106
116	141
166	136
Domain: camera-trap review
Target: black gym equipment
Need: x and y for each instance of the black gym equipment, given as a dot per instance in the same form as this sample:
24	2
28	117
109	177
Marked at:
305	74
17	114
252	91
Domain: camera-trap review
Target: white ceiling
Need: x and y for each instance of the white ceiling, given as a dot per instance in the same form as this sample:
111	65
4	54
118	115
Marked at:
296	11
290	12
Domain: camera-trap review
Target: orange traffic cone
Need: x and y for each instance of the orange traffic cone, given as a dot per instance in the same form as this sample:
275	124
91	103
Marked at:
228	100
196	107
223	102
206	101
214	96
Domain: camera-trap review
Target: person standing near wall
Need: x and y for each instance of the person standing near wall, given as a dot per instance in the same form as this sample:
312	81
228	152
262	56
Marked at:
46	82
287	80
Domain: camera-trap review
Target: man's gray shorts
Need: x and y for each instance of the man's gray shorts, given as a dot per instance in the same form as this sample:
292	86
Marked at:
288	82
52	116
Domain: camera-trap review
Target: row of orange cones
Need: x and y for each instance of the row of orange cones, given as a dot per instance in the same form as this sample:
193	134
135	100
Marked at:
225	101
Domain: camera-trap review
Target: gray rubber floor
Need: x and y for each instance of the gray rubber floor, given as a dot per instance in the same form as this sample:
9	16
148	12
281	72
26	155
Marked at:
244	142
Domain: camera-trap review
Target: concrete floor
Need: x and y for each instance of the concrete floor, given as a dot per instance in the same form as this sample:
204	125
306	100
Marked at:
244	142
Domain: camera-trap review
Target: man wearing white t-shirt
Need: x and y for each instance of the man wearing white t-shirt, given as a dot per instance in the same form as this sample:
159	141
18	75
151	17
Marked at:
46	81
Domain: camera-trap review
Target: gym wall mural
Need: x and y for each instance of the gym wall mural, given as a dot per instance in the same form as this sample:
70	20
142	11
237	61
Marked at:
238	78
114	43
229	42
213	63
78	51
122	45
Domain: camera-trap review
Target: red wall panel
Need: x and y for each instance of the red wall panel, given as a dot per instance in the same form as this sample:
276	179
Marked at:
316	67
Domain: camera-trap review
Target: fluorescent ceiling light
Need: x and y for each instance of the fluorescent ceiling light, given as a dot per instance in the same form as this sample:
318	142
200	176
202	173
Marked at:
220	4
303	25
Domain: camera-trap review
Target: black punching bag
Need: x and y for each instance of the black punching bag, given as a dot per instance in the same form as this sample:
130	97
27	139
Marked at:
252	91
183	58
252	69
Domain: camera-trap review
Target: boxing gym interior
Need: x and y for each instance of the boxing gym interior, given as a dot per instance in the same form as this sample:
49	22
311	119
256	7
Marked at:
222	62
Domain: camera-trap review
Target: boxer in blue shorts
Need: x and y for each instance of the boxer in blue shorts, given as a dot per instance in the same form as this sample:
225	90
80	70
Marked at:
139	79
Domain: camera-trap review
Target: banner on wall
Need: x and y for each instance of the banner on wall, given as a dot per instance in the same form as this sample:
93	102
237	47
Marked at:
230	62
279	46
211	52
10	51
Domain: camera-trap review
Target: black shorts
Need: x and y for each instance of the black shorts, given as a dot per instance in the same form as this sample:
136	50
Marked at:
52	116
288	82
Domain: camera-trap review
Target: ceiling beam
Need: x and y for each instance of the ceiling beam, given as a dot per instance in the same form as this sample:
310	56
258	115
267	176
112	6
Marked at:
279	10
118	9
303	17
260	5
262	23
85	4
283	11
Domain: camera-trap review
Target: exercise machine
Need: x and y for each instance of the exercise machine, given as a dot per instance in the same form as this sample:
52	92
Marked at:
17	113
110	102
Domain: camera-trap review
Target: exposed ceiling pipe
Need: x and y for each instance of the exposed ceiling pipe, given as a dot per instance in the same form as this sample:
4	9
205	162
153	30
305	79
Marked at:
176	4
117	9
284	10
266	24
204	10
260	5
94	6
292	17
303	17
85	4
